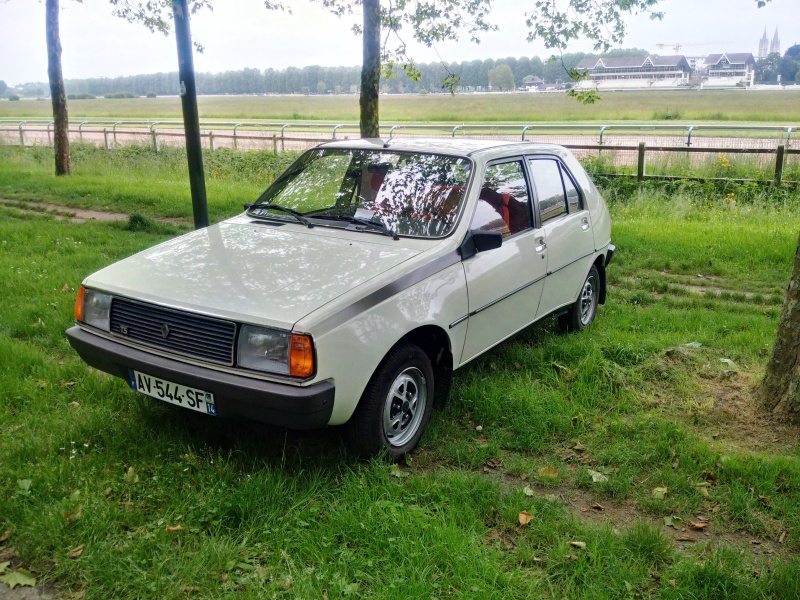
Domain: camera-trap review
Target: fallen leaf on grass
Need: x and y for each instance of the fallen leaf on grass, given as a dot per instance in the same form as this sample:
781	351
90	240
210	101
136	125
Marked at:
597	476
131	476
765	500
781	537
73	515
190	589
598	506
4	566
77	551
493	463
659	493
527	490
174	528
697	526
573	557
670	521
126	504
20	577
548	472
5	536
685	538
525	517
65	288
581	545
396	471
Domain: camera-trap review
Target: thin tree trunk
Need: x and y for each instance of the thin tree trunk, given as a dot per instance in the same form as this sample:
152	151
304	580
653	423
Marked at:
57	94
779	391
370	70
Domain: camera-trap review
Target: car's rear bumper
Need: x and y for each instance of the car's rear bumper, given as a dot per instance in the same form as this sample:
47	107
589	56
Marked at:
295	407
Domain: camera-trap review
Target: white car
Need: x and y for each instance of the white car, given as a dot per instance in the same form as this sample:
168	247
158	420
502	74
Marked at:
355	285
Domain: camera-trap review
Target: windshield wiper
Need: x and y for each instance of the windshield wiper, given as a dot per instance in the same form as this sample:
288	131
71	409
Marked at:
379	227
297	215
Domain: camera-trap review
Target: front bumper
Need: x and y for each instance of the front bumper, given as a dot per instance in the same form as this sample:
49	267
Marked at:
290	406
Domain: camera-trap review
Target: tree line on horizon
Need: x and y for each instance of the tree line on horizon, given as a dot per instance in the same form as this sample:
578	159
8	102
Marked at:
315	79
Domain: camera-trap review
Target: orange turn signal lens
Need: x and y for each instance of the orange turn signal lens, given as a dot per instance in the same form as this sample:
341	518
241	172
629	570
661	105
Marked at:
301	356
79	304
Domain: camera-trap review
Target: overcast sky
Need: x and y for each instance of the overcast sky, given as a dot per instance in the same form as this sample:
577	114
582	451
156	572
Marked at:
242	33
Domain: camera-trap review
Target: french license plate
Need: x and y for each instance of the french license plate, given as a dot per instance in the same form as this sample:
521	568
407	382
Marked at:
174	393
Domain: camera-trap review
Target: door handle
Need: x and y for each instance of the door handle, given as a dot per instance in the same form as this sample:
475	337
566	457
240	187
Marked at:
585	224
542	245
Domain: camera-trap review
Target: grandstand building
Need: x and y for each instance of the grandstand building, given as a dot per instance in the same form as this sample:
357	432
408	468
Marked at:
730	69
630	72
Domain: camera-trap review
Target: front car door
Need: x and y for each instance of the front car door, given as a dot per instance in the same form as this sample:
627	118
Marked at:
504	285
567	228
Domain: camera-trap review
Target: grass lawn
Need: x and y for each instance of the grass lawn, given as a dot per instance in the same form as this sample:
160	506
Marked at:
692	105
632	451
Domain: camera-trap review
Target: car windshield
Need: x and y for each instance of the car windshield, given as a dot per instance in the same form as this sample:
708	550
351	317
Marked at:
397	193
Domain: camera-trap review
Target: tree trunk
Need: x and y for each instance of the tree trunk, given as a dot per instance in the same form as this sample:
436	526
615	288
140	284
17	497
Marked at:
779	391
370	70
57	94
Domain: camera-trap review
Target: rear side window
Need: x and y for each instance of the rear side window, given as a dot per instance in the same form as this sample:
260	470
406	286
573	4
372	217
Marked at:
574	200
503	202
549	188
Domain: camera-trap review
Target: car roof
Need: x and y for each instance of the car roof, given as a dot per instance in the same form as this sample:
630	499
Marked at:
446	145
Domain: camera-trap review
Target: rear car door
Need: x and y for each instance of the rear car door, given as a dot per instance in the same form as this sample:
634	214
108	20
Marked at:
567	228
504	285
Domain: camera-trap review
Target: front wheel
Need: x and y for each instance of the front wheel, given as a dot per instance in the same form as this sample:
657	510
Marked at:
581	314
396	405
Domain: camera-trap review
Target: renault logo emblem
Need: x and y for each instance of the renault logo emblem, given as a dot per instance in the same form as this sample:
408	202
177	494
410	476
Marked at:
165	330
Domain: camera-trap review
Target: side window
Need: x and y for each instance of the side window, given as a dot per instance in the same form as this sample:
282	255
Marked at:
573	195
549	188
503	203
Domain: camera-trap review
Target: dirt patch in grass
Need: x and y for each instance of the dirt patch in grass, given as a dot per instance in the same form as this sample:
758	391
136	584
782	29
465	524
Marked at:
735	420
74	215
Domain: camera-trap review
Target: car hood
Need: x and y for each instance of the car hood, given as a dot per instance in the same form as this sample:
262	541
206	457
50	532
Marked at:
254	272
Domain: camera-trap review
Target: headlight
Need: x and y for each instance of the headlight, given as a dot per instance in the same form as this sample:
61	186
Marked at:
93	308
275	351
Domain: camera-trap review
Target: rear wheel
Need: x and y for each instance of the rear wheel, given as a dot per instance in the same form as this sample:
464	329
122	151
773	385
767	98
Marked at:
396	405
581	314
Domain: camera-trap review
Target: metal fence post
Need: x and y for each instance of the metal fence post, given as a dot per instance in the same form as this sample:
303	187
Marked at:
640	162
779	160
105	137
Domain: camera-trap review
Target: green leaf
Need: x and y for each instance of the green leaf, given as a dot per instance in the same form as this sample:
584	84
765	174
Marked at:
659	493
24	484
19	577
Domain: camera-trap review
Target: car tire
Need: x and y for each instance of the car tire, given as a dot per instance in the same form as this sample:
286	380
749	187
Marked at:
582	312
396	405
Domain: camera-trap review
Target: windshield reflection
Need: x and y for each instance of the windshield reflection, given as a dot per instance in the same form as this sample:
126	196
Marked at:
407	193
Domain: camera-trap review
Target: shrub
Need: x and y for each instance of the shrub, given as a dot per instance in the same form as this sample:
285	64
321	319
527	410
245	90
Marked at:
13	97
80	97
151	94
118	95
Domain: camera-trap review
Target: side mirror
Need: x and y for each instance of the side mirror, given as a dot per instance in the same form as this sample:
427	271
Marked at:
247	205
478	240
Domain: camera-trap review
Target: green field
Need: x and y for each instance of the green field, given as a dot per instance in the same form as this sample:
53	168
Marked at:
729	106
634	447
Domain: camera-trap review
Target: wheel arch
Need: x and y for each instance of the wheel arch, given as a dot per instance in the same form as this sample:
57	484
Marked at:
435	343
599	264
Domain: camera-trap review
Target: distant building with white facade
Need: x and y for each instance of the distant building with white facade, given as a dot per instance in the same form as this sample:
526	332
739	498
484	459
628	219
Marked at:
730	69
636	71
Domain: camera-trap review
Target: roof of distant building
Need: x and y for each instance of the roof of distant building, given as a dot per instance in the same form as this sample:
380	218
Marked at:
735	58
626	62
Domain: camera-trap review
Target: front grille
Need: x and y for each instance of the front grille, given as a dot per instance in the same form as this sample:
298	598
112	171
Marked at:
179	332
